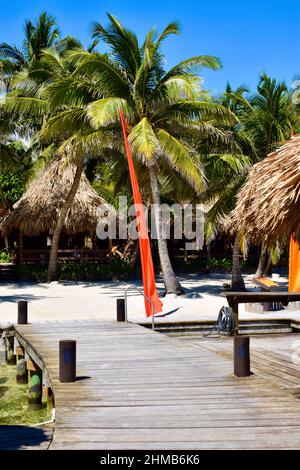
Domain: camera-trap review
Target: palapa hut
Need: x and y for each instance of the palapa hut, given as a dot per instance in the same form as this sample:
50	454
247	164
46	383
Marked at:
268	205
37	211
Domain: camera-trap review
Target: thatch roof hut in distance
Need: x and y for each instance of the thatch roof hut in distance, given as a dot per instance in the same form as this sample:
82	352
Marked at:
38	209
268	205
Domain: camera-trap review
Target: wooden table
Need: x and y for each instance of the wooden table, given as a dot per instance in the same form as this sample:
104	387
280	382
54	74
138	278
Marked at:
236	298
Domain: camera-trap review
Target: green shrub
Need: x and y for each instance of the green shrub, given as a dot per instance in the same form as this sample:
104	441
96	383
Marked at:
32	272
5	256
223	264
68	271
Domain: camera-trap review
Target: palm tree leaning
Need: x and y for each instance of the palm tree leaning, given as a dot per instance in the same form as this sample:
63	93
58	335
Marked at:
164	109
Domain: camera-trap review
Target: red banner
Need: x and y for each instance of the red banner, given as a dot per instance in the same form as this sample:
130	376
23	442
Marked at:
145	250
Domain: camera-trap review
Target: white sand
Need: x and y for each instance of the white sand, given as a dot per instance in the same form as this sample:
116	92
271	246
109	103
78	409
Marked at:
97	301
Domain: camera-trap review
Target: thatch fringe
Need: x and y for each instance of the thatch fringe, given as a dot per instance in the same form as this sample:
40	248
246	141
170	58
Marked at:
268	205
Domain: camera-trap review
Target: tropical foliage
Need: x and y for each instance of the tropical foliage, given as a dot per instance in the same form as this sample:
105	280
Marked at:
187	145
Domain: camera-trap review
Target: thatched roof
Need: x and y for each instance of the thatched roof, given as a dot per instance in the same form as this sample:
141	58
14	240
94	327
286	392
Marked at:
268	205
38	209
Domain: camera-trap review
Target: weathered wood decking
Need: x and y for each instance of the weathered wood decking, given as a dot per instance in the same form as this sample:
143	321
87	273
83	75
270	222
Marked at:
142	390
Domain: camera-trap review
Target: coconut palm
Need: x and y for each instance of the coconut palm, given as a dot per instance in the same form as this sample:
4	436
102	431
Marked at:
39	36
165	111
270	123
273	115
226	173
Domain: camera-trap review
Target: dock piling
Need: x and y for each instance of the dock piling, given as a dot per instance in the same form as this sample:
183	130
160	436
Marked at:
67	361
22	312
120	310
9	348
241	356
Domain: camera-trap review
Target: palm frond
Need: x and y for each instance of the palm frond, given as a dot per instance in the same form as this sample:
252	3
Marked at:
193	65
122	42
171	28
143	140
26	106
182	159
107	111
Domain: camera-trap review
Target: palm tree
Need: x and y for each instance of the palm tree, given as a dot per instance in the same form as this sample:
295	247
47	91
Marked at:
270	123
165	111
39	36
226	173
272	118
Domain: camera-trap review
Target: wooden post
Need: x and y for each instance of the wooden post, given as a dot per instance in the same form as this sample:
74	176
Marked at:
9	348
120	310
22	372
20	247
110	246
67	361
22	312
235	316
35	388
241	356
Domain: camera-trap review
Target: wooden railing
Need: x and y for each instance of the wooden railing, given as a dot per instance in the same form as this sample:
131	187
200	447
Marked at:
75	255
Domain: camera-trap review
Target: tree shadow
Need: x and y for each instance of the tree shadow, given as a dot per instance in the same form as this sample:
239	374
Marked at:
22	437
17	298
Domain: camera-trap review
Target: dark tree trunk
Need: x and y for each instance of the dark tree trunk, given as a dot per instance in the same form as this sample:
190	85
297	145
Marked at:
52	267
208	256
172	284
237	282
135	255
263	259
269	266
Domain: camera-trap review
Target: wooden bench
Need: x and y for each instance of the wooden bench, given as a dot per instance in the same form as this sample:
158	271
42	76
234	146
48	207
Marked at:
236	298
267	285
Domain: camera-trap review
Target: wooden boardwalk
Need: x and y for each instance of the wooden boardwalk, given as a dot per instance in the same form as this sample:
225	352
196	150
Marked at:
141	390
274	357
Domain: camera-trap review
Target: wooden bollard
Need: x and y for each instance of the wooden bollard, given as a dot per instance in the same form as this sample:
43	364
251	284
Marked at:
67	361
22	312
241	356
120	310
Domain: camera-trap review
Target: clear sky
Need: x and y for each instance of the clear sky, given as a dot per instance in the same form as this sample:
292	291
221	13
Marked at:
249	36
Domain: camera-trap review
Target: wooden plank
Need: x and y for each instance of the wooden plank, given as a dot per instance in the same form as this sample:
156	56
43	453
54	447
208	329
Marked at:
140	389
266	283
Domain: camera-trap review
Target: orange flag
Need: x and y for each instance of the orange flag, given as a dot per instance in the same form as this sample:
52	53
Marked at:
145	250
294	265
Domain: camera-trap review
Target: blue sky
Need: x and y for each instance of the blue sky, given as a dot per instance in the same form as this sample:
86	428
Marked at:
249	36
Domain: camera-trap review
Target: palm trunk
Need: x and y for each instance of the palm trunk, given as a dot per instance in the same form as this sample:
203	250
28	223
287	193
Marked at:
52	267
208	255
237	282
269	267
172	284
262	262
135	255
